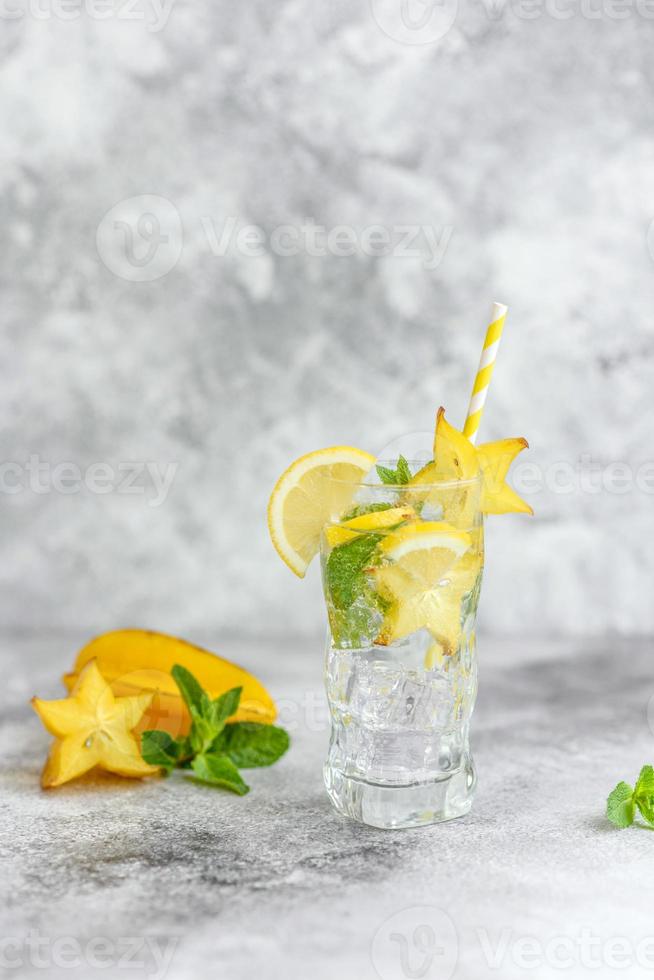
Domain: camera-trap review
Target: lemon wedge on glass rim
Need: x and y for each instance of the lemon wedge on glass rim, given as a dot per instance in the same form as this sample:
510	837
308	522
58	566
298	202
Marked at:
313	491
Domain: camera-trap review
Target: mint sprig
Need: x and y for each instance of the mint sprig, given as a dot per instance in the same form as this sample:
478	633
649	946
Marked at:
215	748
345	569
353	604
625	801
397	477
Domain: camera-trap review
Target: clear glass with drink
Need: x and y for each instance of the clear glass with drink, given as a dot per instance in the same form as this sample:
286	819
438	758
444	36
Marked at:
402	555
401	587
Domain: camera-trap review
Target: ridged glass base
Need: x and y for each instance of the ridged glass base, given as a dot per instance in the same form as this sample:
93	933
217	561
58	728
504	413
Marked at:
393	807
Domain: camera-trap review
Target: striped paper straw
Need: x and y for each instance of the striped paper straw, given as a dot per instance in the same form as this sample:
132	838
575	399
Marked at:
485	371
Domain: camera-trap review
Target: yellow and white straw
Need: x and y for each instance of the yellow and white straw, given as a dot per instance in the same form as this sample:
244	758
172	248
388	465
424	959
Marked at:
485	371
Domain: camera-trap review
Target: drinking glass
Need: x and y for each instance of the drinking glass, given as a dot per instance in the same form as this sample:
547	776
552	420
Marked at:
399	753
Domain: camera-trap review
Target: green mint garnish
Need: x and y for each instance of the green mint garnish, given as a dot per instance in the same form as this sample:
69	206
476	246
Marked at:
161	749
345	570
624	801
215	748
249	745
218	770
397	477
352	601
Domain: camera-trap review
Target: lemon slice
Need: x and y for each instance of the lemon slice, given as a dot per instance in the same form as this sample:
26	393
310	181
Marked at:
315	489
340	533
434	540
432	566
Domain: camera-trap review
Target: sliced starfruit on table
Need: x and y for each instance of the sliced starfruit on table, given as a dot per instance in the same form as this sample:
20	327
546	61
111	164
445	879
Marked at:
93	729
139	662
315	490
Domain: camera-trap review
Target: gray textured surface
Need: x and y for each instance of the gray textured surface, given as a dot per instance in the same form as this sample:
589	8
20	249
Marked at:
529	138
276	885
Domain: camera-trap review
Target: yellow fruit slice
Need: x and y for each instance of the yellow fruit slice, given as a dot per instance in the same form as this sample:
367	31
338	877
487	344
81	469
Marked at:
457	501
137	661
455	458
425	548
497	496
453	476
92	729
433	565
314	489
379	520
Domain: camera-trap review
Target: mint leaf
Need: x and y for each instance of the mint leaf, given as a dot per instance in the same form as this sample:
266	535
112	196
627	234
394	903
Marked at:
250	744
644	794
646	808
160	749
212	749
620	805
645	784
353	604
197	700
358	625
200	706
344	571
218	770
403	470
202	734
386	475
223	707
397	477
362	509
624	801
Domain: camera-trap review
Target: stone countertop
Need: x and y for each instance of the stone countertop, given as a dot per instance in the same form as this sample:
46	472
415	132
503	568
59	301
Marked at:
167	878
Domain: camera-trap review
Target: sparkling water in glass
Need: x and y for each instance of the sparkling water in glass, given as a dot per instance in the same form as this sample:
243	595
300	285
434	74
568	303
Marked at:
399	753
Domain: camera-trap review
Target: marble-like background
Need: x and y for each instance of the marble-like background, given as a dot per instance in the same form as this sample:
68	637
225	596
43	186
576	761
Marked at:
521	139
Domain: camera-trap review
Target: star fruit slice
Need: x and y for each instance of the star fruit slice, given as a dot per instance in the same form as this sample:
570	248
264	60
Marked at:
431	567
92	729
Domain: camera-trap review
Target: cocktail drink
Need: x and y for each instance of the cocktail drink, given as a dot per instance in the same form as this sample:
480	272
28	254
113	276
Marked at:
401	582
402	554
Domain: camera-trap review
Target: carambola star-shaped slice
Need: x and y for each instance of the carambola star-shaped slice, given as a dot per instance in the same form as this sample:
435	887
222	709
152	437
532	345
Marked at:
92	729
